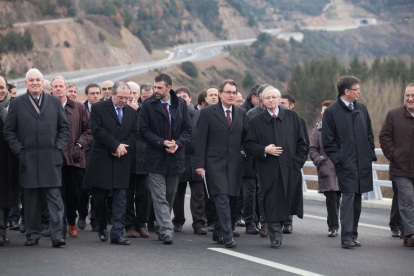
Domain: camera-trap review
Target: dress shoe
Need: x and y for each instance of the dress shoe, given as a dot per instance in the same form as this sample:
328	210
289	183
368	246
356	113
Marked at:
409	242
210	228
396	233
347	244
275	244
143	232
58	243
240	223
252	230
22	229
229	243
103	236
13	225
218	239
288	229
236	234
120	241
31	242
2	240
81	223
161	237
45	233
168	240
73	231
264	232
131	233
200	231
333	233
178	228
357	243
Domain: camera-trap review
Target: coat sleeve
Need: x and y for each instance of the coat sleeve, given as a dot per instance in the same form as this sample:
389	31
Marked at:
63	129
328	137
86	136
145	129
314	150
185	133
252	145
386	137
99	132
10	129
370	135
302	144
201	140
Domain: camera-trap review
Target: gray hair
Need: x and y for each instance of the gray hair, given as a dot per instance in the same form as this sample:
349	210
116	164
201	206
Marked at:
120	85
271	88
70	84
132	82
46	84
33	70
261	88
59	78
148	87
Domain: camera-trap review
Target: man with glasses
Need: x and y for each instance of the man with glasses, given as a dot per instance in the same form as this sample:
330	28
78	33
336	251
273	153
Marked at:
275	139
106	90
348	141
220	135
114	126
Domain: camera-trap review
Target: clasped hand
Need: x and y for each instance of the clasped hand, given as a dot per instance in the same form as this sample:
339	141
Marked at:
171	146
273	150
121	150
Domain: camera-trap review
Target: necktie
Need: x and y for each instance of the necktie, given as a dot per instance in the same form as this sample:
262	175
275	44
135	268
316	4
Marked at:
169	123
351	106
273	116
228	117
119	111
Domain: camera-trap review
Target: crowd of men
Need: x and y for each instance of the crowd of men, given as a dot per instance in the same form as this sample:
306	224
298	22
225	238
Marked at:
124	157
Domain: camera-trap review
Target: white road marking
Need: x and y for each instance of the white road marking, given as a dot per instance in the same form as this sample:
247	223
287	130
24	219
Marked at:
287	268
359	224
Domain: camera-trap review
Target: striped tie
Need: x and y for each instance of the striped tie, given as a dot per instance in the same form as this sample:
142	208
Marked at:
228	117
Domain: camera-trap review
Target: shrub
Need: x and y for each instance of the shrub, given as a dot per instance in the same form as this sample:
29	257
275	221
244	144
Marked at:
67	44
189	68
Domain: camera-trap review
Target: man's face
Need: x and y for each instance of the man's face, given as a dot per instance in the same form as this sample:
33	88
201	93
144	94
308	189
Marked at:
228	95
34	83
47	87
255	100
212	96
286	103
184	95
71	92
134	92
409	98
59	88
261	102
145	94
121	98
161	90
13	92
353	93
3	89
94	95
107	89
238	101
323	110
271	99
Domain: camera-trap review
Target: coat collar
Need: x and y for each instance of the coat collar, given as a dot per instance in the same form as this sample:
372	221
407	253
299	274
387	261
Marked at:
356	105
268	118
219	112
110	106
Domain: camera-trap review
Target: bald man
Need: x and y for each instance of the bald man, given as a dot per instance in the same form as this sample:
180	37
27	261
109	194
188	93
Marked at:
106	90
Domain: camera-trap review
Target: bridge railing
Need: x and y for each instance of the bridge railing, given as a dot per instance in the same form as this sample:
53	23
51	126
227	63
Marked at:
376	194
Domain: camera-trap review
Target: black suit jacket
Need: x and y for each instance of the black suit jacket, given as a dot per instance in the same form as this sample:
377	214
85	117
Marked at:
218	148
105	170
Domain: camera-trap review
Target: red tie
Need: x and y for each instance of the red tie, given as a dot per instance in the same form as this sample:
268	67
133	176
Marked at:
228	117
169	123
274	116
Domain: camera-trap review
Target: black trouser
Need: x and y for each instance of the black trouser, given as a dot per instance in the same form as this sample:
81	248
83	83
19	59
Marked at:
249	185
139	195
4	217
395	218
210	209
14	214
72	178
197	203
240	204
350	212
83	206
224	225
44	211
333	201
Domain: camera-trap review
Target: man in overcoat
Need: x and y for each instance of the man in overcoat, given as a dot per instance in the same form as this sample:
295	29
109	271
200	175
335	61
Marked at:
276	140
36	129
348	141
114	127
220	135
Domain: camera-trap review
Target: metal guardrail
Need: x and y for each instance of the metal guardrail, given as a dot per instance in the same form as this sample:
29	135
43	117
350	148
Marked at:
376	194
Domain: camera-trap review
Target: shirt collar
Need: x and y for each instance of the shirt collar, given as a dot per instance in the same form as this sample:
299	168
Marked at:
345	102
276	112
89	106
409	112
225	108
169	101
66	101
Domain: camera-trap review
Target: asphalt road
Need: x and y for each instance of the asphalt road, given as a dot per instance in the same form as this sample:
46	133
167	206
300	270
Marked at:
308	251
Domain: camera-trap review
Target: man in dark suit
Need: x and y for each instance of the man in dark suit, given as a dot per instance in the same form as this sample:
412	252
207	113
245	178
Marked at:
220	134
40	157
114	127
164	124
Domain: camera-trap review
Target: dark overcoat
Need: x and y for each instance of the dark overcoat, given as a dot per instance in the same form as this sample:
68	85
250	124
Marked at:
153	126
218	148
285	131
138	150
106	171
38	139
348	141
9	176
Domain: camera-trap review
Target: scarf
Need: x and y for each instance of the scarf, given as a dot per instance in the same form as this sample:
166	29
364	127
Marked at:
3	107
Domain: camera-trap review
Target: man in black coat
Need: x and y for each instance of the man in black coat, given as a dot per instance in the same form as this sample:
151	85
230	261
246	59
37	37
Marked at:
276	140
348	141
164	123
220	134
197	201
39	143
114	127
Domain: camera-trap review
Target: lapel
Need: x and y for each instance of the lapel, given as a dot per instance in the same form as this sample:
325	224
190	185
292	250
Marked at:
111	110
45	102
126	117
174	105
219	112
235	116
29	106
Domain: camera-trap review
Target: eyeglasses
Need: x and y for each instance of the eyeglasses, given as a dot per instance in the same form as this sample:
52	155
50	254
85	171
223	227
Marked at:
358	89
230	93
93	93
270	98
123	98
107	88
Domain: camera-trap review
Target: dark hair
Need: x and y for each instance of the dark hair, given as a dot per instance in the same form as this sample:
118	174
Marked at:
261	88
183	89
327	103
120	85
165	78
289	97
147	87
227	81
202	97
10	86
90	86
253	92
346	82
